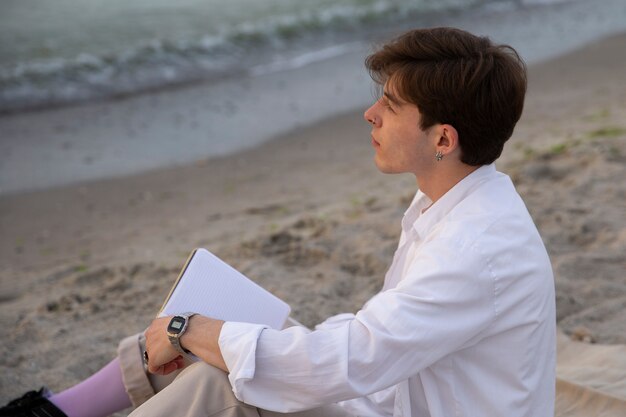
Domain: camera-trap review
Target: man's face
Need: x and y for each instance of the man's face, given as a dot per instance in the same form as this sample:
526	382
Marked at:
401	146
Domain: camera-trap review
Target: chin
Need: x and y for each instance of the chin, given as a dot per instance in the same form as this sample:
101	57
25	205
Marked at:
380	166
385	169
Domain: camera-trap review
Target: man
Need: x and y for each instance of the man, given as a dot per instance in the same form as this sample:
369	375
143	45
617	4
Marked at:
465	322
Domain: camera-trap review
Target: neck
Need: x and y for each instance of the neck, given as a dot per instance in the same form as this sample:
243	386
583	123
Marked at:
442	178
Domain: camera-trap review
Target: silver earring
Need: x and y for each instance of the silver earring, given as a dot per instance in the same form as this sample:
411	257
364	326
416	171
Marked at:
438	156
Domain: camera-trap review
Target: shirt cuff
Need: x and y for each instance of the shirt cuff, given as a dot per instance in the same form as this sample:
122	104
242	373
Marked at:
238	343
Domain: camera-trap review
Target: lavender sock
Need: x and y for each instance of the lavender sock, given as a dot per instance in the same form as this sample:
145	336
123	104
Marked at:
100	395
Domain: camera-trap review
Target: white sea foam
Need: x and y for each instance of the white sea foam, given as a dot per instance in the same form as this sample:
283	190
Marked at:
114	65
305	59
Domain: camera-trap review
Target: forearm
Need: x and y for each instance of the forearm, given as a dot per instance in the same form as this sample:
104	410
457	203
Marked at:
202	339
289	370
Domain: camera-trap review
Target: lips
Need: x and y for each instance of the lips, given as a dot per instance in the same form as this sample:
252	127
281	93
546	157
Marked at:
375	143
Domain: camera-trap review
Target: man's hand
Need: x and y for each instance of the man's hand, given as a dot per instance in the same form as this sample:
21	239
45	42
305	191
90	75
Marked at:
201	338
162	357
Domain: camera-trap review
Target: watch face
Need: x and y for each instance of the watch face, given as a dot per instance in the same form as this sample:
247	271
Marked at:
176	325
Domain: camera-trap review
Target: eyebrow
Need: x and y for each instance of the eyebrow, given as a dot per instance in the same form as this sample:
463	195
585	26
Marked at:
392	98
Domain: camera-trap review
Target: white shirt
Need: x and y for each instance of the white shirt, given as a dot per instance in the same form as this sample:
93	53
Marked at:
464	325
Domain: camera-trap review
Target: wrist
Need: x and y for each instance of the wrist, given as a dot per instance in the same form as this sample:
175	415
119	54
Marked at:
202	339
176	329
186	340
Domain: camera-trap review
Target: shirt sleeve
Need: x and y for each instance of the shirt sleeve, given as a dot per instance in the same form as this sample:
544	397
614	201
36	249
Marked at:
443	303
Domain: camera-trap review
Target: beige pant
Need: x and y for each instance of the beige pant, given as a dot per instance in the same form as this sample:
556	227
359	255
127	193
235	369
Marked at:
199	390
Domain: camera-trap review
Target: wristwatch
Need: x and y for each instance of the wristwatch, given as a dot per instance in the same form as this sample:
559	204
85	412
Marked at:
177	328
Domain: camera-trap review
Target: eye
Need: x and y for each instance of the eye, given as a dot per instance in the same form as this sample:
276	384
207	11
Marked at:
386	104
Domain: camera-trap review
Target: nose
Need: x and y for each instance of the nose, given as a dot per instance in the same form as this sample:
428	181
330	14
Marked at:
370	115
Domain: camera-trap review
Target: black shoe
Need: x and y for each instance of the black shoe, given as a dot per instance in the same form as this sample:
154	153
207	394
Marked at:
32	404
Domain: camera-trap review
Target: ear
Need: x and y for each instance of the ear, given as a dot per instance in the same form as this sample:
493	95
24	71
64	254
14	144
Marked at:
448	141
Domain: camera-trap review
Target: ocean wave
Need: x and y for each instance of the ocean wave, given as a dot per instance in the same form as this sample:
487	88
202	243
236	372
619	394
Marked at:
165	62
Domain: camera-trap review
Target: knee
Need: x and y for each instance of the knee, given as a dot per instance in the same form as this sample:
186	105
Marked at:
199	390
203	371
210	378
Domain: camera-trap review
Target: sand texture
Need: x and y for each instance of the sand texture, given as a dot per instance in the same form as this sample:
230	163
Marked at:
309	218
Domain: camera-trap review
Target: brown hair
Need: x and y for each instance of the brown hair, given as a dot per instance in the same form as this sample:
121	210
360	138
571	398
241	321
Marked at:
457	78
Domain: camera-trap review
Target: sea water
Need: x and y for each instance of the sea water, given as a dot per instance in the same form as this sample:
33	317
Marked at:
61	51
183	96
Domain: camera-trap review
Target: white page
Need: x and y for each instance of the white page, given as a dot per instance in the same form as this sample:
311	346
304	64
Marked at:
213	288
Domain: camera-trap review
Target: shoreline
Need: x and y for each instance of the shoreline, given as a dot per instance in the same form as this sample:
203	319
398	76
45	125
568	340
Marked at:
294	152
177	126
87	75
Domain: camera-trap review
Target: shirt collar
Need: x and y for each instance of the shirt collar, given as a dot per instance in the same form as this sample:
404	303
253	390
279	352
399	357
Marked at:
422	222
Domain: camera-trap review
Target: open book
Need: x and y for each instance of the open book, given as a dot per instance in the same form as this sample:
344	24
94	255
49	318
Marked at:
209	286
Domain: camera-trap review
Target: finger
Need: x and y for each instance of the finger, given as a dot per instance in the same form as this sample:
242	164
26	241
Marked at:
174	365
169	368
180	362
155	369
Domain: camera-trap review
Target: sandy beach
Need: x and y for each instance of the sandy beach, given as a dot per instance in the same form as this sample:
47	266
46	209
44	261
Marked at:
310	218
